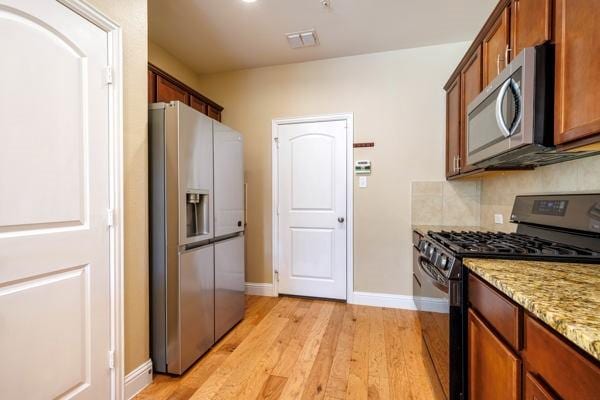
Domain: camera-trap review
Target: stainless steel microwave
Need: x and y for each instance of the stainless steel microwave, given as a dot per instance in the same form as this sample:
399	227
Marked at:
510	123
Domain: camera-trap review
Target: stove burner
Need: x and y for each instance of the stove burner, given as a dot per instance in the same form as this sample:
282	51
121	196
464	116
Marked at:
508	244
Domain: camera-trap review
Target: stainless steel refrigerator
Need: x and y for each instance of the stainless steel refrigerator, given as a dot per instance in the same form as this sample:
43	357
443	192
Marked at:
196	233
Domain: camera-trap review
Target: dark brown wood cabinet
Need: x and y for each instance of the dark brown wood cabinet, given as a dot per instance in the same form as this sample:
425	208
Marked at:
530	23
199	105
536	390
494	370
453	128
577	71
496	48
471	86
167	91
507	346
164	87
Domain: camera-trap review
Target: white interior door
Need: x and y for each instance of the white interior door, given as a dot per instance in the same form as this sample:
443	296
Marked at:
312	209
54	181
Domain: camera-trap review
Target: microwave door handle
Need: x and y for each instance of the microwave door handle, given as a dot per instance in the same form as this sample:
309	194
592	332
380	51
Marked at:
514	87
499	117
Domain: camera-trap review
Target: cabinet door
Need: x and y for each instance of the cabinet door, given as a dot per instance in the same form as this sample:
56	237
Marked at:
214	113
471	79
151	87
453	122
167	91
494	371
495	48
535	390
198	104
530	23
577	84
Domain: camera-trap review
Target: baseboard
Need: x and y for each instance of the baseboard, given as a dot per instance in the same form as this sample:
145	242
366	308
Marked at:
260	289
400	301
138	379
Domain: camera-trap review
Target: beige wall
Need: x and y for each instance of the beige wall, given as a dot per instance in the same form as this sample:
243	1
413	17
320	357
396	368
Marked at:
397	101
498	192
131	15
170	64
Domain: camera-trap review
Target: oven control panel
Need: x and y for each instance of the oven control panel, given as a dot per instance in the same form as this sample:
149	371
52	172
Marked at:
438	257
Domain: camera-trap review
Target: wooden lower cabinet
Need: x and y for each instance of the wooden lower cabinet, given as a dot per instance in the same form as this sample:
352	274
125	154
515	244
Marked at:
539	364
536	390
494	370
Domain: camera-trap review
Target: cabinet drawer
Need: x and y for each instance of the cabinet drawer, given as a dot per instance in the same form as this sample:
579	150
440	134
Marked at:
535	390
571	375
503	315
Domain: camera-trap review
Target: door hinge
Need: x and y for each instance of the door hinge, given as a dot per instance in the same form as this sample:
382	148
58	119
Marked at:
277	275
276	142
108	75
111	359
110	217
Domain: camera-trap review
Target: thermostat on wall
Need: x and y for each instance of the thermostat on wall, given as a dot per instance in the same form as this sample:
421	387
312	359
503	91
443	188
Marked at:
362	167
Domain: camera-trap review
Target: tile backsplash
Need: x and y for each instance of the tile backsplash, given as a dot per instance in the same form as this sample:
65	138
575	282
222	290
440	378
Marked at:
446	203
498	191
475	202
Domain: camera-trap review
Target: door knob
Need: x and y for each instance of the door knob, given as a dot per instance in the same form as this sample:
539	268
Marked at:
340	219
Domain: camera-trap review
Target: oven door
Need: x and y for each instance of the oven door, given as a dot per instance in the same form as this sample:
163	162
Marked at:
500	119
434	316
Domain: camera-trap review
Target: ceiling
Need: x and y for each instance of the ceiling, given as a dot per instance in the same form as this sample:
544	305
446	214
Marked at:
223	35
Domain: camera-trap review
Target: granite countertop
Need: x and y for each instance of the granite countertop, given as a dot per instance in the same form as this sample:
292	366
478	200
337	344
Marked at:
565	296
423	229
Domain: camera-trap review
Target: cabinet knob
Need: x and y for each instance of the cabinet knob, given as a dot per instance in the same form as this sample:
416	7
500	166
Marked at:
341	219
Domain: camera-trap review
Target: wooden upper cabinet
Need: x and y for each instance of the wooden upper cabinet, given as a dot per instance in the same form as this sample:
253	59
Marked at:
577	72
453	123
531	23
151	87
167	91
214	113
198	104
495	48
494	371
471	86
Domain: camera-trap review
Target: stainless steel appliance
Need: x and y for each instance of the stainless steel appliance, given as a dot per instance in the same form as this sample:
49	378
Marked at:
510	123
554	227
196	234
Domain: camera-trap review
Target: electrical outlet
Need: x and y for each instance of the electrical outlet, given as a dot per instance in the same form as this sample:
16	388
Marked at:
362	181
498	218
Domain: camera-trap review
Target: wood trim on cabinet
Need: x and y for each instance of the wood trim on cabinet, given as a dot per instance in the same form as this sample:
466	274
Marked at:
183	86
503	315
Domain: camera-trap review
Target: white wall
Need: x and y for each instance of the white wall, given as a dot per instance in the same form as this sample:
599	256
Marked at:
398	102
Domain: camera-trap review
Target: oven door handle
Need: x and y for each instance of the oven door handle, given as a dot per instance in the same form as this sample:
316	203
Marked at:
440	284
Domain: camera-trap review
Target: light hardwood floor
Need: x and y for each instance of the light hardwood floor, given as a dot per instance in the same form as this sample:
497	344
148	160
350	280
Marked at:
290	348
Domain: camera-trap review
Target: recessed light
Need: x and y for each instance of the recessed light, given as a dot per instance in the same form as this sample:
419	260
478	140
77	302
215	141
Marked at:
249	1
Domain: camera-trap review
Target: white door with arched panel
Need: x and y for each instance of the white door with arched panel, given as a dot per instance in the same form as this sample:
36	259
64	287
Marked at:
54	196
312	208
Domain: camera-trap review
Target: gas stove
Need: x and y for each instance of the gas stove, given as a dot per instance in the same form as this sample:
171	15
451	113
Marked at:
557	227
511	245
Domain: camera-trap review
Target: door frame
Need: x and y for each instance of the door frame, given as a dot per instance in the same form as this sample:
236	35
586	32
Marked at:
349	118
115	213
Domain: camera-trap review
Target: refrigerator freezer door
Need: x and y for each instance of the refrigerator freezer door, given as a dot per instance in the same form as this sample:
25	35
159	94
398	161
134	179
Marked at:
229	180
196	309
229	284
195	167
